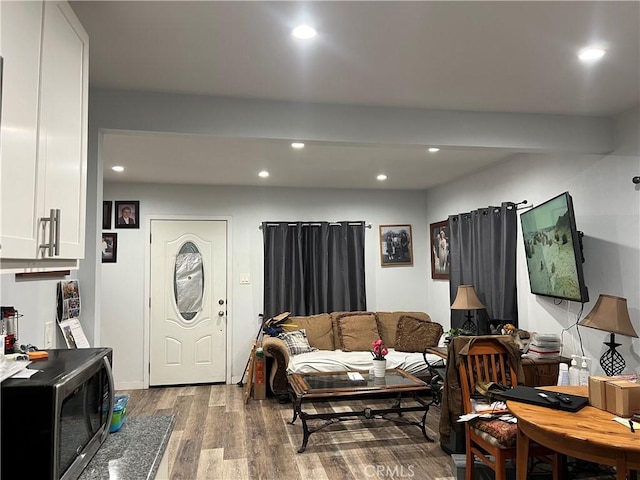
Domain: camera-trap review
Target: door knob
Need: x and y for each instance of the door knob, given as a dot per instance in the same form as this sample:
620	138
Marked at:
221	313
221	302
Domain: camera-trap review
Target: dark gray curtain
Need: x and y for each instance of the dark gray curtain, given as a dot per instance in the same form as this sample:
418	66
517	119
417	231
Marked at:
483	254
313	267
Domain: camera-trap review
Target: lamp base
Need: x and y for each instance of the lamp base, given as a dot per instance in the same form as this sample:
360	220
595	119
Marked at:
611	361
469	325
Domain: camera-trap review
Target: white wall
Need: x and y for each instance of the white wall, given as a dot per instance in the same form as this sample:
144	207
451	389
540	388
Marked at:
35	299
255	118
123	302
607	209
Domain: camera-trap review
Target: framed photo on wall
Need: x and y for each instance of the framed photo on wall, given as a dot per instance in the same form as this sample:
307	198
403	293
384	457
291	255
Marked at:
109	248
127	214
396	245
107	214
440	260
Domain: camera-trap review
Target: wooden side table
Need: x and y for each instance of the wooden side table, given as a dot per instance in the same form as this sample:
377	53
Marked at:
541	373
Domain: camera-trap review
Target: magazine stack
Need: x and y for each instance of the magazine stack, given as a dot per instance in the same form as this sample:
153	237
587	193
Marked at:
545	346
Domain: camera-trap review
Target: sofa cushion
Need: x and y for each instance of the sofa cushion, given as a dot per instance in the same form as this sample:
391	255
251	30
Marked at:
414	334
319	330
388	325
335	361
337	343
357	331
296	342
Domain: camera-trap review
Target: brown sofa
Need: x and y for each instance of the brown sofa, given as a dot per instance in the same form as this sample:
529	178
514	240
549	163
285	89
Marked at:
344	339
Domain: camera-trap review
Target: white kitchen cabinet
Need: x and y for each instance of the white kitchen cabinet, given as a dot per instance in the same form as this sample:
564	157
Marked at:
20	34
63	124
45	172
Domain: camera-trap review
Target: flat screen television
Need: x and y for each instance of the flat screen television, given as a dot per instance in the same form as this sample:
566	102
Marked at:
553	248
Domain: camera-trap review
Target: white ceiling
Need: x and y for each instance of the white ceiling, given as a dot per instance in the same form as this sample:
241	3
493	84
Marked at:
237	161
473	56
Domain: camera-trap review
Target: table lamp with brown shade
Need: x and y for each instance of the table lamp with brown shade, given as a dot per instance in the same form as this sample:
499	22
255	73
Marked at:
611	315
466	299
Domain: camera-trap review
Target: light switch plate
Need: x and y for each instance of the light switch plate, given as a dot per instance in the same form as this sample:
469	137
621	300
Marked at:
245	279
48	335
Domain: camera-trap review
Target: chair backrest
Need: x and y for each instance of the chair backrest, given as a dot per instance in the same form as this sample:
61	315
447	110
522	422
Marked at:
486	361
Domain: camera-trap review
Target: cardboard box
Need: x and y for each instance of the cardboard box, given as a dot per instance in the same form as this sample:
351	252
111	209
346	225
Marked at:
622	397
260	379
597	391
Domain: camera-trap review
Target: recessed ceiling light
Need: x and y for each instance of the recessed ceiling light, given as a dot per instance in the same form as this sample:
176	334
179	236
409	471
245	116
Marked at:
304	32
117	168
263	174
591	54
434	149
297	145
381	177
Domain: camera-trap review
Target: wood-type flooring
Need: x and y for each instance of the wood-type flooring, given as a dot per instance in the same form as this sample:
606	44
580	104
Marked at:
218	436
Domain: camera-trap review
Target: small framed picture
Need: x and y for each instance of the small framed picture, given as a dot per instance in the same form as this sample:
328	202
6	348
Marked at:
440	260
396	245
109	248
127	214
107	214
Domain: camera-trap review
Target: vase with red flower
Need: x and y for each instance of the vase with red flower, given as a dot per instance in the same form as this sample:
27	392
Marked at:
379	353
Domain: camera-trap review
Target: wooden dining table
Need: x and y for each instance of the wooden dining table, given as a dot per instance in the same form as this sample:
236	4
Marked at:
589	434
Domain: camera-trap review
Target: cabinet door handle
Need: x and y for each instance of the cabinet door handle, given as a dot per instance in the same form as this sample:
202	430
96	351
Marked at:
56	245
54	233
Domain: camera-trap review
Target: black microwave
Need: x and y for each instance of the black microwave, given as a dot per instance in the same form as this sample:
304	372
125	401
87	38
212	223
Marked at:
53	423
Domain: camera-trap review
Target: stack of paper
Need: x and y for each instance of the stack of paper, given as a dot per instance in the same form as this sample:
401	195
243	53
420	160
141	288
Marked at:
545	346
9	368
627	422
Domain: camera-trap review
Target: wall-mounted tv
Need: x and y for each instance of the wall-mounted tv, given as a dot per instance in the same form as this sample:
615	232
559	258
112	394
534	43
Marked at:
553	248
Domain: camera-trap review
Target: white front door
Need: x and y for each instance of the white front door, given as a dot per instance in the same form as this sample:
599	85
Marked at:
188	302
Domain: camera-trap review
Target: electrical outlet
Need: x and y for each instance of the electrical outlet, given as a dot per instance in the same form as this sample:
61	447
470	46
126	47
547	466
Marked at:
48	335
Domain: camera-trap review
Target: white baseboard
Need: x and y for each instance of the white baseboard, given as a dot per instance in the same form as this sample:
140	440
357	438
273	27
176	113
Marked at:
129	385
140	385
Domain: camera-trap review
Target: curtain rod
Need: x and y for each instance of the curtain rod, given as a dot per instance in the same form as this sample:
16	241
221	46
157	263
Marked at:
306	224
497	209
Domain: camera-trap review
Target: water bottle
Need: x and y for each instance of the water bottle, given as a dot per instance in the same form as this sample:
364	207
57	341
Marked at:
584	372
563	374
574	371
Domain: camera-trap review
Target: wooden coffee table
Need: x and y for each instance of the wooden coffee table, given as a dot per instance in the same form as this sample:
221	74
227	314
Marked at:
338	386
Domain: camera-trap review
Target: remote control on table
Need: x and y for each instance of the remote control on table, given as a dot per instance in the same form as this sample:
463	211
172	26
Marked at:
563	398
551	400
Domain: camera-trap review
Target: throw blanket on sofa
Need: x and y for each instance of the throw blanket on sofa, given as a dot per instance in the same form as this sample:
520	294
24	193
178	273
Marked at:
337	360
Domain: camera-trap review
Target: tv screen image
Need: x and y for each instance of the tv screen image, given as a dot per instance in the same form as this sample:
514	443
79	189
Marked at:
552	247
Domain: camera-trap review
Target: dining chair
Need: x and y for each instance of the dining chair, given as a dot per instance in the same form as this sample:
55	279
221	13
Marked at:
487	360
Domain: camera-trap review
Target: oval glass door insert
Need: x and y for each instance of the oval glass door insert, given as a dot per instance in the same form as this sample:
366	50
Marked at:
188	281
